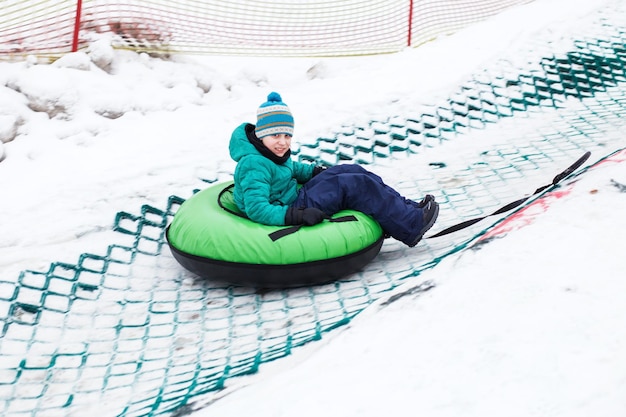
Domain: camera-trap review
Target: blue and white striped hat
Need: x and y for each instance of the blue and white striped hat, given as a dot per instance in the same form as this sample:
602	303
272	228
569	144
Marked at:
273	117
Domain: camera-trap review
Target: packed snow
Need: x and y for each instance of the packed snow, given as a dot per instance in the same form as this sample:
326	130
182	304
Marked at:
532	324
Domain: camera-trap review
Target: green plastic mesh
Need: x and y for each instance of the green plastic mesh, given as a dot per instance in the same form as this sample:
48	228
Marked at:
130	333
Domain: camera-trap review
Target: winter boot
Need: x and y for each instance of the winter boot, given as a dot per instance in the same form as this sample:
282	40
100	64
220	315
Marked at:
431	211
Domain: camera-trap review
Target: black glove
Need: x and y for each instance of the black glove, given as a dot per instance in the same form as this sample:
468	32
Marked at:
308	216
318	169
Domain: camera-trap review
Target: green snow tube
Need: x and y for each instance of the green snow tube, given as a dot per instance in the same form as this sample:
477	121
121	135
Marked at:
210	237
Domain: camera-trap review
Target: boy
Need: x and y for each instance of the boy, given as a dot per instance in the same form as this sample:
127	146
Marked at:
266	181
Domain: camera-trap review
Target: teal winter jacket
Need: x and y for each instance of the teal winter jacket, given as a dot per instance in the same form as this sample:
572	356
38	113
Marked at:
263	188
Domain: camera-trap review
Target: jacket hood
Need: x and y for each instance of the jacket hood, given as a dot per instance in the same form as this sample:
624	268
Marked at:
239	149
239	145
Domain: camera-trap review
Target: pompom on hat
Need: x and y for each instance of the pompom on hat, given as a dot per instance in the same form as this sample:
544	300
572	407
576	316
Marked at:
273	117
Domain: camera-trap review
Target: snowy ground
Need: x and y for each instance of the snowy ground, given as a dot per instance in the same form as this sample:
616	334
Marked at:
529	325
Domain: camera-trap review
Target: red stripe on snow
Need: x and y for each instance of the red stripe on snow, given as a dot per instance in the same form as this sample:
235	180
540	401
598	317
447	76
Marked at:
527	215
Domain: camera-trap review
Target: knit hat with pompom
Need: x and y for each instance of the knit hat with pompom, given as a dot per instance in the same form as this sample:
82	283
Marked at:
273	117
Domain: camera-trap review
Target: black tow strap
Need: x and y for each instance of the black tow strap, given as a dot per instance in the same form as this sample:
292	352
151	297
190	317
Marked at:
516	203
293	229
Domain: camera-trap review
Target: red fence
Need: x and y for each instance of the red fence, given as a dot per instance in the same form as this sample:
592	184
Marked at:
236	27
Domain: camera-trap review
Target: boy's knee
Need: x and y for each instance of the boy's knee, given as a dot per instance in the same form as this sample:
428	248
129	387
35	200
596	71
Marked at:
348	168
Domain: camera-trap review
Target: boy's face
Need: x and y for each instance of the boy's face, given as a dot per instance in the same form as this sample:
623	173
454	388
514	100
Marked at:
278	144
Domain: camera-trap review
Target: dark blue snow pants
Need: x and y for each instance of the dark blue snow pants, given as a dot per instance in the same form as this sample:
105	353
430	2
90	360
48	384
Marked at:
353	187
